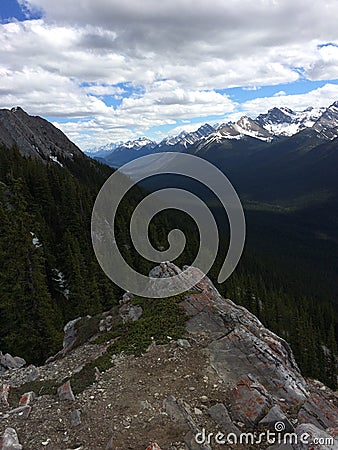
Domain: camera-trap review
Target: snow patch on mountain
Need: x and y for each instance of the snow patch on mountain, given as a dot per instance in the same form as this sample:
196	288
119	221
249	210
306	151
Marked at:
285	122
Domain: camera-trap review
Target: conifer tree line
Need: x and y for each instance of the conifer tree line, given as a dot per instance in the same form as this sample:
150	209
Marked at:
49	273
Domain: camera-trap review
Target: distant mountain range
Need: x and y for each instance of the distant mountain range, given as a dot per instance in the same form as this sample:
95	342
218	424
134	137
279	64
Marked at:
269	127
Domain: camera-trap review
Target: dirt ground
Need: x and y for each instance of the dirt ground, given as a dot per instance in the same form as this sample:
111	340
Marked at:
125	406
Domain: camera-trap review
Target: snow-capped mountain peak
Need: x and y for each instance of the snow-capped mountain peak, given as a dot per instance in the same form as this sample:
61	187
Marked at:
186	139
138	143
327	123
286	122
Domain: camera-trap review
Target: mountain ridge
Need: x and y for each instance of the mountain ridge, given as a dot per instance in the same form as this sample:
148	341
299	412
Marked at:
277	122
35	136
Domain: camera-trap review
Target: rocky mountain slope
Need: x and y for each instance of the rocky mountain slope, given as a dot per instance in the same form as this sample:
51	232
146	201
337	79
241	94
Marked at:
226	374
34	136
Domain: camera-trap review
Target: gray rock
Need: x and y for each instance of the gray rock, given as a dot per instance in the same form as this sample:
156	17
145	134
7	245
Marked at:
111	444
32	373
240	343
70	333
175	411
220	415
9	440
65	392
20	362
183	343
126	298
309	436
10	362
4	392
319	411
27	398
249	400
130	313
75	418
190	442
276	415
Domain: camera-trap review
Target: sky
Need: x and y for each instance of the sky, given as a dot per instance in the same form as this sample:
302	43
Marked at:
110	71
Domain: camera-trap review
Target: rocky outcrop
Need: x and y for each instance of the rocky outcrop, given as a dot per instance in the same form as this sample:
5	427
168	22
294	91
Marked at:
8	362
127	311
227	375
259	367
70	335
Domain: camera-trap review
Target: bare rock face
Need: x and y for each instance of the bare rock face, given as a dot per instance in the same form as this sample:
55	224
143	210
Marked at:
249	400
258	365
319	411
34	136
240	344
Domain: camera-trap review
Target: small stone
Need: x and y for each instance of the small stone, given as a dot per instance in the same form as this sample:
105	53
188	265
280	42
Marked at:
127	296
9	440
153	446
27	398
75	418
198	412
65	392
183	343
111	444
204	399
4	392
22	411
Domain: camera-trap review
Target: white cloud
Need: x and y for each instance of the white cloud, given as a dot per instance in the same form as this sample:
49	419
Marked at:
323	96
172	55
